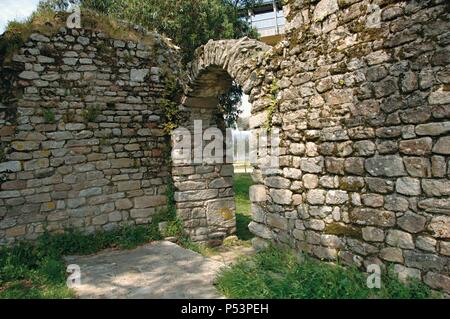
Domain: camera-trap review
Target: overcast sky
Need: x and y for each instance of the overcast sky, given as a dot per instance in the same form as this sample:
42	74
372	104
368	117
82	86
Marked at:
15	10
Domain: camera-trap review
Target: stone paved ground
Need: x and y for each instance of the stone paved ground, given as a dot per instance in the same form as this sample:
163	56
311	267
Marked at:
156	270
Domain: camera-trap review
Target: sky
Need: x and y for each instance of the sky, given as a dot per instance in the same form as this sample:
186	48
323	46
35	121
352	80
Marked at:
15	10
245	107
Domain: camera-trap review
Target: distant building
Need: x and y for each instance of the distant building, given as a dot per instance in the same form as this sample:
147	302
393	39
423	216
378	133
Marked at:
268	18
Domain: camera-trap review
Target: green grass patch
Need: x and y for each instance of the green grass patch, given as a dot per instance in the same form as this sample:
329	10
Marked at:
47	22
37	270
279	274
242	183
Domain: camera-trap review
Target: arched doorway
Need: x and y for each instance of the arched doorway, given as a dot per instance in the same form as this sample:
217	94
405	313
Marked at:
203	175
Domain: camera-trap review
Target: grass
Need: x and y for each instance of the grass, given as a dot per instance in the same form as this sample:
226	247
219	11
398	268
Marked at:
278	274
47	22
38	270
242	183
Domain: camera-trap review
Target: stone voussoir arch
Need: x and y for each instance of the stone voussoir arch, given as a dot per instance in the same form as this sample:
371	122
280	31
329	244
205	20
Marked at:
225	61
204	193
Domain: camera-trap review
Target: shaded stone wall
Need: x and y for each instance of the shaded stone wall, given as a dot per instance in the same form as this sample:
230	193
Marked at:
364	113
83	145
360	92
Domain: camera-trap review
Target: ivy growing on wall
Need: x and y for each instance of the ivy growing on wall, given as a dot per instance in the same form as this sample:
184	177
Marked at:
273	97
169	102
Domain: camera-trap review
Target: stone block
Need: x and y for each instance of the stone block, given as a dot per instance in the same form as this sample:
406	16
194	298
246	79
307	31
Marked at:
400	239
388	166
221	212
149	201
258	193
281	196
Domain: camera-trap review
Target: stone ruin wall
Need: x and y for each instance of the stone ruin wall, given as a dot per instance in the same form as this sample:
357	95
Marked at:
204	194
81	129
365	117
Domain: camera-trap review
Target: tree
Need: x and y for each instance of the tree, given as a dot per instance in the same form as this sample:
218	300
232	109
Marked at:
189	23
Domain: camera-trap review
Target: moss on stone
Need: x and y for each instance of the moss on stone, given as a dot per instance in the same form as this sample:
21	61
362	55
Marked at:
340	229
340	68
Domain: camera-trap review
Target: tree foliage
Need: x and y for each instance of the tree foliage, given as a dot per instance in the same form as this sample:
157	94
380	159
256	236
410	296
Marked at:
189	23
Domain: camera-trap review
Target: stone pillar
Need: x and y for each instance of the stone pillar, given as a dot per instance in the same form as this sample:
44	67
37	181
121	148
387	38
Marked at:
204	193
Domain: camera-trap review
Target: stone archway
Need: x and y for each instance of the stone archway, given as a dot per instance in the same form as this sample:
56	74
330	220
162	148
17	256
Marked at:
204	193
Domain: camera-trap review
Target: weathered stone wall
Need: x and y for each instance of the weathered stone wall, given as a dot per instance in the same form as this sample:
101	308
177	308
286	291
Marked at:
82	135
363	110
364	113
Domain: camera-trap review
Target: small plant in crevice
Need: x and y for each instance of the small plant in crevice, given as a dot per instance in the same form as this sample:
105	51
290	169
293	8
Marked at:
174	228
3	151
274	89
49	116
169	103
11	42
128	58
170	193
137	163
270	112
104	49
273	105
90	113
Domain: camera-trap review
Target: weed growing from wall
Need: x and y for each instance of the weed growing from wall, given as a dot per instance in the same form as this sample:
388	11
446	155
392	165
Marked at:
274	90
3	151
169	102
49	116
90	113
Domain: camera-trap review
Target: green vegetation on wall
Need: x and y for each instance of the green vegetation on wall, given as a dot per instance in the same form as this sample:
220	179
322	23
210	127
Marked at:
90	113
274	102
